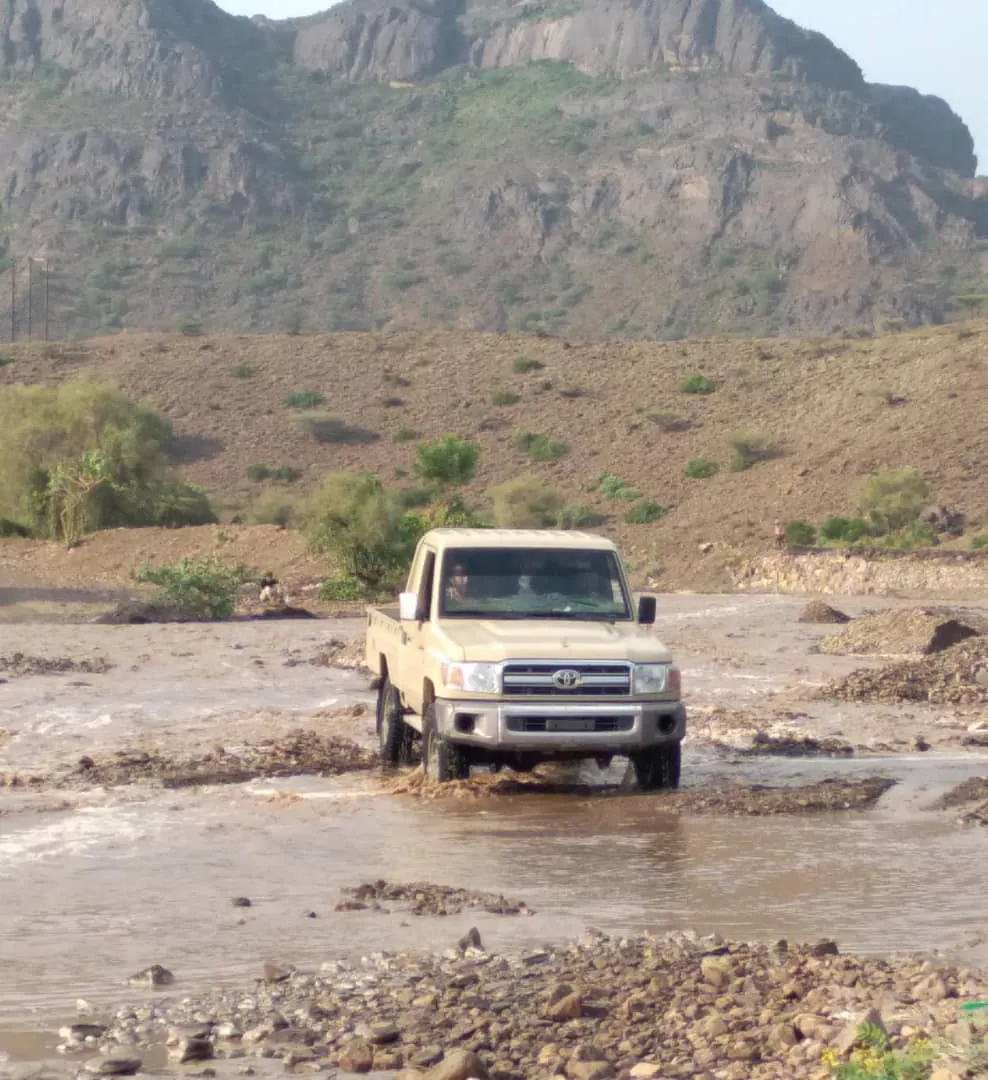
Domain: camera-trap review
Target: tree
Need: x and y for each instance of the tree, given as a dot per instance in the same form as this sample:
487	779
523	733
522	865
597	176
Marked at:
892	498
447	462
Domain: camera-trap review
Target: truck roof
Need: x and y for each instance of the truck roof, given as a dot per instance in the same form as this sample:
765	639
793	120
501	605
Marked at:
508	538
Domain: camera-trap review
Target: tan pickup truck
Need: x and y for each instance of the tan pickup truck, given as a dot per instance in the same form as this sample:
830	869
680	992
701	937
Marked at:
514	646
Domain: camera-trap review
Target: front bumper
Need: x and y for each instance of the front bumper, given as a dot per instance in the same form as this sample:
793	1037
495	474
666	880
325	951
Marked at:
597	727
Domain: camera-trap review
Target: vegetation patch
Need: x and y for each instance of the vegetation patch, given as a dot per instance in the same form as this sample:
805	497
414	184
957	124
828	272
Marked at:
541	447
525	364
697	384
304	399
526	503
700	469
645	513
199	588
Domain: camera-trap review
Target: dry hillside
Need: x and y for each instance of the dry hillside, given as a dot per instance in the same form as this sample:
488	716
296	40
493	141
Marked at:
837	410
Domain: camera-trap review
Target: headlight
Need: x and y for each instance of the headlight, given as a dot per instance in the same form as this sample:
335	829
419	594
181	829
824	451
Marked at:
651	678
473	678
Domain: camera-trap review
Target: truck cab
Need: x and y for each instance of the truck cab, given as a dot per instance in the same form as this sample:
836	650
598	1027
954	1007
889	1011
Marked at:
514	646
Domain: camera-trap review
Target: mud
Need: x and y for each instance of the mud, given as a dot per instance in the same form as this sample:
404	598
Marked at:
422	898
17	665
301	751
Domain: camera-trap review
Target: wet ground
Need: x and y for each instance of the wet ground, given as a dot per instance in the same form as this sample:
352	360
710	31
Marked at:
98	882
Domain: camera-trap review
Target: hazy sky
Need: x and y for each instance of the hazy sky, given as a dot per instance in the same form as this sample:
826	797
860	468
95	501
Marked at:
938	48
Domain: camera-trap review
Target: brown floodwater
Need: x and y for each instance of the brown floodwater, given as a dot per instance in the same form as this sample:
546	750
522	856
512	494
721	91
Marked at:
93	894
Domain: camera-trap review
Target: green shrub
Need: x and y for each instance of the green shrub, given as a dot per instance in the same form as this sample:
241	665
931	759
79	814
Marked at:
578	516
916	534
980	542
242	371
525	503
524	364
749	447
449	461
273	508
10	528
189	326
258	472
613	487
541	447
700	469
800	534
405	434
893	498
842	530
81	456
285	474
304	399
201	588
645	513
696	384
505	397
341	587
5	361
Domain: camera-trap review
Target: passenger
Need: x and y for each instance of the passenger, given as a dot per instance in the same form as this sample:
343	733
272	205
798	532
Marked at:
458	589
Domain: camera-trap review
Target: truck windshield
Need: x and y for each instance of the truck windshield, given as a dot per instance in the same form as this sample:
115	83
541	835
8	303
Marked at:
550	583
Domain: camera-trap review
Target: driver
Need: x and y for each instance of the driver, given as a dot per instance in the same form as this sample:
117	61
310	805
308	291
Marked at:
458	587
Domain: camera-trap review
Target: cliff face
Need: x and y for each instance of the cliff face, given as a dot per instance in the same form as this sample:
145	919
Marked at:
644	167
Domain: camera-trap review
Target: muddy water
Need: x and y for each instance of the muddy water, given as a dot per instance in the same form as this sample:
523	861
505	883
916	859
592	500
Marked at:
93	894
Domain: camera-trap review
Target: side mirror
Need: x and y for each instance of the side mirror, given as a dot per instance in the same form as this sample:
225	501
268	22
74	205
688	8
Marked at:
408	606
646	610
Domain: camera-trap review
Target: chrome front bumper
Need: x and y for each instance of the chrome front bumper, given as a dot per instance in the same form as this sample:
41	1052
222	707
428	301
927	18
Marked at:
604	726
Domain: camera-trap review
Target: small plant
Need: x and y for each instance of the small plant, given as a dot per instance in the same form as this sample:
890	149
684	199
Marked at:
304	399
645	513
525	503
449	461
505	397
524	364
545	386
572	392
242	371
273	508
285	474
696	384
872	1058
6	361
749	447
980	542
700	469
342	587
405	434
10	528
842	530
189	327
201	588
258	472
799	534
392	379
393	402
541	447
613	487
578	516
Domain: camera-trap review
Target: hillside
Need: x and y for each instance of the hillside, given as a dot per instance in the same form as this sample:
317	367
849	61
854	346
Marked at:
835	410
597	168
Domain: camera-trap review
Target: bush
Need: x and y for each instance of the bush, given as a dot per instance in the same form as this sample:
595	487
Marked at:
893	498
341	587
842	530
916	534
242	371
524	364
505	397
700	469
749	447
10	528
6	361
645	513
578	516
273	508
800	534
978	542
448	462
285	474
541	447
201	588
526	503
405	434
613	487
304	399
696	384
82	456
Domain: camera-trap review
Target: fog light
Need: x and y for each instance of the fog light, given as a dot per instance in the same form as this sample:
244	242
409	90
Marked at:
465	723
667	723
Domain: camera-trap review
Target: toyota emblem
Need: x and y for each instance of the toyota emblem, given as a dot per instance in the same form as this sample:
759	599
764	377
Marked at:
567	679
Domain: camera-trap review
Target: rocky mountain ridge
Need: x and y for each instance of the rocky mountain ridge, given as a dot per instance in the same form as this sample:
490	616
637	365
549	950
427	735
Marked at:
650	168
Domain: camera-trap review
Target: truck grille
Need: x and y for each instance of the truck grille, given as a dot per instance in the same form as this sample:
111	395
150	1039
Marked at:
567	680
531	724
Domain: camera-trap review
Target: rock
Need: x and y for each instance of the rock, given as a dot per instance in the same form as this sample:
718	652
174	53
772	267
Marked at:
382	1033
849	1038
241	901
589	1070
645	1070
819	612
113	1066
82	1032
273	973
356	1056
470	940
459	1065
427	1056
716	970
196	1048
152	977
569	1007
825	947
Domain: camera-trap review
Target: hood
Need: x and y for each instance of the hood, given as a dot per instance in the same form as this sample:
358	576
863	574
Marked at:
567	640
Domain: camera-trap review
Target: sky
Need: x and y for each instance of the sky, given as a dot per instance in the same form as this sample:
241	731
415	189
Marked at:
937	48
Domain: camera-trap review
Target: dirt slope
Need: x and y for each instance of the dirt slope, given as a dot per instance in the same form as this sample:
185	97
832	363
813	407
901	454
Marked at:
824	403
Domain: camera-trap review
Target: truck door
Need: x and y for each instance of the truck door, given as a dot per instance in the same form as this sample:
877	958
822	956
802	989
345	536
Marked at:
412	656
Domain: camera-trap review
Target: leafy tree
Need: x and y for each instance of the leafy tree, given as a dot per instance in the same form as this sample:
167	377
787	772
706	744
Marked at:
893	498
447	462
201	588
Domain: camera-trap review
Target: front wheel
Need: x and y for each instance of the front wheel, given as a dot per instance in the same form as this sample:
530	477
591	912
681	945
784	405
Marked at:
441	759
658	767
394	735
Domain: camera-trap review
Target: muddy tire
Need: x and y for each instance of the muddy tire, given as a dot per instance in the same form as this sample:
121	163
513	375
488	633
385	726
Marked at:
442	760
394	735
658	767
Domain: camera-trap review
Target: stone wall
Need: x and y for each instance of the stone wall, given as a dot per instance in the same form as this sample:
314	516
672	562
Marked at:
865	573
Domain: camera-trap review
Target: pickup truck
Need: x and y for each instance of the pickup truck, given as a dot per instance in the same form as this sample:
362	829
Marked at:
510	647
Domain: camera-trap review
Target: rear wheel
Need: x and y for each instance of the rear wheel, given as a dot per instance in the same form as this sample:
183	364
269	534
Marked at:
658	767
442	759
394	735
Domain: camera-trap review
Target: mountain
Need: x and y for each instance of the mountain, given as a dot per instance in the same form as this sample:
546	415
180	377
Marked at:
645	168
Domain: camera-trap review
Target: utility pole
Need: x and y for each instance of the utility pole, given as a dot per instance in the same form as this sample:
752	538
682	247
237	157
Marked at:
13	299
30	294
47	276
